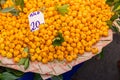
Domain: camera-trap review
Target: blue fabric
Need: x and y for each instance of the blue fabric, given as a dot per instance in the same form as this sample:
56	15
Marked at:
66	76
27	76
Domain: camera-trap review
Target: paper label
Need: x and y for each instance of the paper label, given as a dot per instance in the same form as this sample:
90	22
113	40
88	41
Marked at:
35	19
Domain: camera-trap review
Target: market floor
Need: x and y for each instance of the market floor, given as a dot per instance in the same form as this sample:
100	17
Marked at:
105	68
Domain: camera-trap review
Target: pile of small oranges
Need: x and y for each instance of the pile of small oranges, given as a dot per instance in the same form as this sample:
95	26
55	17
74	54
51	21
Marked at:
81	27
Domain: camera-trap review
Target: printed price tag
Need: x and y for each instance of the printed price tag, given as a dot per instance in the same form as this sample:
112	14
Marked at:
35	19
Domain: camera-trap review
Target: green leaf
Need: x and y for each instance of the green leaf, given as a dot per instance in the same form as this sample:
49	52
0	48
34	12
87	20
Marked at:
113	28
25	61
110	2
118	11
118	22
115	16
101	55
26	49
16	2
116	29
0	76
60	77
116	6
8	76
22	61
116	1
26	65
19	2
22	4
15	12
37	77
57	41
63	9
15	72
12	10
5	10
60	36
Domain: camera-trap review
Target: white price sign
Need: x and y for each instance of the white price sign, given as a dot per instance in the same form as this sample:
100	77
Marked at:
35	19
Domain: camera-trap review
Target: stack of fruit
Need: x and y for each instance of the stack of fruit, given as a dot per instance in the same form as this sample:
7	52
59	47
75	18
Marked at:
71	28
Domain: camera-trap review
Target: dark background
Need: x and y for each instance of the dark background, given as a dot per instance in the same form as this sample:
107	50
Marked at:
102	69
